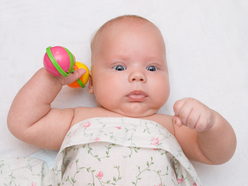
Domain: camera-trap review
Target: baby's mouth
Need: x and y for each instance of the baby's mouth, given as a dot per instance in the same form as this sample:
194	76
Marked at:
137	96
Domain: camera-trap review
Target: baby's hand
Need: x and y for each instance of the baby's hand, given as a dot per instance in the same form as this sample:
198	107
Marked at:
194	114
72	77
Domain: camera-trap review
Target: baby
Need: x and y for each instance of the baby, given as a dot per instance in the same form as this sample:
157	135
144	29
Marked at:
123	140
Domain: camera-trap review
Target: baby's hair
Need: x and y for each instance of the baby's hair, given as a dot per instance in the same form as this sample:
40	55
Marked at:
124	18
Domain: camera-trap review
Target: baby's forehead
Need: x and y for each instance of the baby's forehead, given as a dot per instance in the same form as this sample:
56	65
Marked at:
125	21
118	25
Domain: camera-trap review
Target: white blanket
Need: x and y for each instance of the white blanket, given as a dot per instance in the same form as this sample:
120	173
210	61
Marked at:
111	151
207	53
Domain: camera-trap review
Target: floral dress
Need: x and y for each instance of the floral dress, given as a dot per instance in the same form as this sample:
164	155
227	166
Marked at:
110	151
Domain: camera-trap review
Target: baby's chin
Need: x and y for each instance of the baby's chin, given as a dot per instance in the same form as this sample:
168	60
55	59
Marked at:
137	113
134	110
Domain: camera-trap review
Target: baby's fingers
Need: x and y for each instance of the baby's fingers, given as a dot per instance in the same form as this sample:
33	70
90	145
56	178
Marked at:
178	106
193	118
204	123
72	77
176	121
183	110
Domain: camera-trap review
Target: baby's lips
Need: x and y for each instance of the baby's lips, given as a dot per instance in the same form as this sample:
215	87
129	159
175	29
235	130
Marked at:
137	95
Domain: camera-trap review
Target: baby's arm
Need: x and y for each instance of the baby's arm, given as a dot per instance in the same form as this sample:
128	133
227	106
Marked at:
31	118
212	141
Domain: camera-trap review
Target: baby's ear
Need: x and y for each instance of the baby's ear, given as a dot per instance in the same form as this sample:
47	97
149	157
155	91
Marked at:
90	87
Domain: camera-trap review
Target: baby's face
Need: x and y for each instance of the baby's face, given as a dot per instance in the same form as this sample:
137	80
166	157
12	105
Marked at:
129	71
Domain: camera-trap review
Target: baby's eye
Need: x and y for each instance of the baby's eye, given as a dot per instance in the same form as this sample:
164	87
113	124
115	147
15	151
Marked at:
119	68
152	68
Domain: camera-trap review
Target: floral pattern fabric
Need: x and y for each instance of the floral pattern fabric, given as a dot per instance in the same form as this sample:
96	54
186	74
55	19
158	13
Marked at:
111	151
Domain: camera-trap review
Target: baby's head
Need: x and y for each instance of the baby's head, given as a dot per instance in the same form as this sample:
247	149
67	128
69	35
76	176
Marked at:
129	73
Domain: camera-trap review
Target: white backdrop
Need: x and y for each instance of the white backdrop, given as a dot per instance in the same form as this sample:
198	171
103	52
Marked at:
207	53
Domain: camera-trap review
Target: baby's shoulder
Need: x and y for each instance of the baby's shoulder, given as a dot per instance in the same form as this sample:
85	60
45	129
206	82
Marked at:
163	120
84	113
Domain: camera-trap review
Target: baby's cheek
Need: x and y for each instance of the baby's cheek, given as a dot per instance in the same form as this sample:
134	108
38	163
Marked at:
162	93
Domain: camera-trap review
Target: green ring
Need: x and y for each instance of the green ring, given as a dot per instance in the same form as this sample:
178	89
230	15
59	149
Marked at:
55	64
80	83
71	61
59	69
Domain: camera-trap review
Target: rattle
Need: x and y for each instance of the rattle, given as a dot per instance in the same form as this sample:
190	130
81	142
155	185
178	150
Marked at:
59	61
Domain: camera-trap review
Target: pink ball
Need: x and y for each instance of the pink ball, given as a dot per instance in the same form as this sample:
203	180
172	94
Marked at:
62	58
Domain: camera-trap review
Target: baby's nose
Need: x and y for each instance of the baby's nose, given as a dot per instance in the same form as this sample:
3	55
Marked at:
137	77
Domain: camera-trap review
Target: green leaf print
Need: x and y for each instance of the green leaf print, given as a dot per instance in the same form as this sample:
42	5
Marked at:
148	168
147	129
131	151
97	156
128	130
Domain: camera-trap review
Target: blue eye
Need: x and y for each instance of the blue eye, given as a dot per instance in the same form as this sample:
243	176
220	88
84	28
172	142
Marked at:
152	68
119	68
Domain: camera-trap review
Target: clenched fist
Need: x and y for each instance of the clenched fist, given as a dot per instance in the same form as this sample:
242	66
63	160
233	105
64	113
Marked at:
193	114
